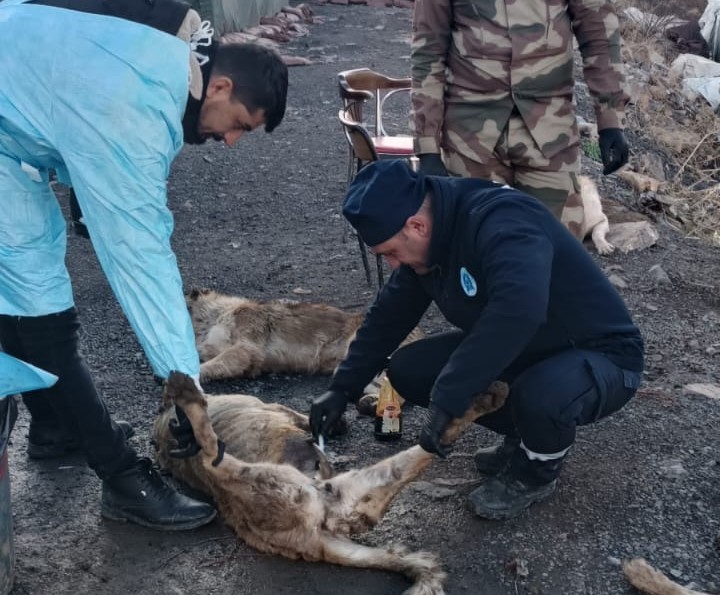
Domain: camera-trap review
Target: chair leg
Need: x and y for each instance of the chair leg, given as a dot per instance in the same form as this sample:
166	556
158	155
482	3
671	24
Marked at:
381	276
366	262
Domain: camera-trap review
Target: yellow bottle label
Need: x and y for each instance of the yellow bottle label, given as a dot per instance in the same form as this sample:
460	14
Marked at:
388	396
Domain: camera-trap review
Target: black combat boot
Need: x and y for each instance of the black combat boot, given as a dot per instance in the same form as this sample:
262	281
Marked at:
141	496
491	461
51	440
522	483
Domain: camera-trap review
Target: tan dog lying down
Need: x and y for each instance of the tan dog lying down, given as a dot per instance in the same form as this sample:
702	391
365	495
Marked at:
647	579
253	431
237	337
277	509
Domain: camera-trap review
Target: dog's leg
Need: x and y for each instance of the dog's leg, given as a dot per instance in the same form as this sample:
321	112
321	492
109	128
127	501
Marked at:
647	579
182	390
241	360
363	495
599	237
421	567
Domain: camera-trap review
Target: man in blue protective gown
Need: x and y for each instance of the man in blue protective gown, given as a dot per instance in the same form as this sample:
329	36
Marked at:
104	94
530	307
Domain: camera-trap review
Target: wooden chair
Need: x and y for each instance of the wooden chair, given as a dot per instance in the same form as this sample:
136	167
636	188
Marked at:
363	86
363	151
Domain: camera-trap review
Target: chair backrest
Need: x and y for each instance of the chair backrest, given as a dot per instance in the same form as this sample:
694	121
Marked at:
357	137
362	84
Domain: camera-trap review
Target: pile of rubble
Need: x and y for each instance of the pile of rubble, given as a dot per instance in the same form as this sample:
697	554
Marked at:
373	3
291	22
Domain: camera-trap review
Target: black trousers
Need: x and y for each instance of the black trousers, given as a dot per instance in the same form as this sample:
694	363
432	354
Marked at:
51	343
547	400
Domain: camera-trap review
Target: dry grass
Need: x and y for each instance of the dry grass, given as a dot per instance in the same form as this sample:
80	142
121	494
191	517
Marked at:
685	131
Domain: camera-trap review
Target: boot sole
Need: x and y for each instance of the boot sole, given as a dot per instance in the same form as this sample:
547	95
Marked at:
504	515
114	514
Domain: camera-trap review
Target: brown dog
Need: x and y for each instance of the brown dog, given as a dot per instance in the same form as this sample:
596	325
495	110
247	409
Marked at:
255	432
237	337
277	509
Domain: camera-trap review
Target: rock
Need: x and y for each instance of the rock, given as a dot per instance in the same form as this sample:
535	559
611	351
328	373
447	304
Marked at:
634	235
652	165
672	469
705	390
518	567
618	281
431	490
456	481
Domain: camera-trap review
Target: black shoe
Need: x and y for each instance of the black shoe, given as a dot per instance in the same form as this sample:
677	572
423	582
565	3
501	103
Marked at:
50	441
491	461
505	497
141	496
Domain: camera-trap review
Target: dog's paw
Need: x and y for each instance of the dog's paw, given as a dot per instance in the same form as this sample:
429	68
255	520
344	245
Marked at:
604	247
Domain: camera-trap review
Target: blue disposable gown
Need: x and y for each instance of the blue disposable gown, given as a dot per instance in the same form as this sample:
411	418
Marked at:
100	100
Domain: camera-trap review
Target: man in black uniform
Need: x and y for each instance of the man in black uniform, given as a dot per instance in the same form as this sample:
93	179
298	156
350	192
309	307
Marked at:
531	308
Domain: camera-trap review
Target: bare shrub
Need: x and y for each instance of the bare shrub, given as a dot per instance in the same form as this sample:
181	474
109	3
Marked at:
666	120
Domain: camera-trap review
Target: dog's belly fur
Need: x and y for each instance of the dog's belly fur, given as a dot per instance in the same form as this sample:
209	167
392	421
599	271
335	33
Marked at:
253	431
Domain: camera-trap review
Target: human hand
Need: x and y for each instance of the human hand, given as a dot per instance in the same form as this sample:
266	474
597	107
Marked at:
431	164
614	149
326	411
436	420
182	431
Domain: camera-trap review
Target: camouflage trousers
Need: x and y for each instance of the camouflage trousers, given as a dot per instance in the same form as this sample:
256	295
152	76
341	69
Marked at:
517	161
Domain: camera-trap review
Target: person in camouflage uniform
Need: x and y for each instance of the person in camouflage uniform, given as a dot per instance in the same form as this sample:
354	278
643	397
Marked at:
492	88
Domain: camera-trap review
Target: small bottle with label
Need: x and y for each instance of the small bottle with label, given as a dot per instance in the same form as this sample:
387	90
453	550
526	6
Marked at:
388	413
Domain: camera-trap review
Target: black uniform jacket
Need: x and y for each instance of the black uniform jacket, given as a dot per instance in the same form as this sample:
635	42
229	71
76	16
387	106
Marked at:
508	273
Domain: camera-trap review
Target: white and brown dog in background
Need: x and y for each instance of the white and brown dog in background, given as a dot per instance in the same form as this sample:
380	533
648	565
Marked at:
595	222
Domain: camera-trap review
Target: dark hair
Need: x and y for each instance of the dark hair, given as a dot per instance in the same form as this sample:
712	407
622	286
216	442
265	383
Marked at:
259	76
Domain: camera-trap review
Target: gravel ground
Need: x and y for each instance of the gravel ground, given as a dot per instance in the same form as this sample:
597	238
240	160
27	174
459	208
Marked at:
262	220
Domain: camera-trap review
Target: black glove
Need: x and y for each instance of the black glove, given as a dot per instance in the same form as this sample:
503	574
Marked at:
614	149
326	411
436	420
182	431
431	165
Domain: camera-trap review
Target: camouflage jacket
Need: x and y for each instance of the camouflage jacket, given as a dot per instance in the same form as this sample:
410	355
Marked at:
473	61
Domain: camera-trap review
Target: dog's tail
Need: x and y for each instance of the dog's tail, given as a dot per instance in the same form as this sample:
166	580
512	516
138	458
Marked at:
422	568
647	579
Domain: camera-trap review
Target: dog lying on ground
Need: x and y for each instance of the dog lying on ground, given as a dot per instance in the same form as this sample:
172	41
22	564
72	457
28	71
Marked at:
255	432
277	509
647	579
595	222
237	337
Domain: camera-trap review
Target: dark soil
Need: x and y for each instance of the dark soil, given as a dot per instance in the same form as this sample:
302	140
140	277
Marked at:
262	220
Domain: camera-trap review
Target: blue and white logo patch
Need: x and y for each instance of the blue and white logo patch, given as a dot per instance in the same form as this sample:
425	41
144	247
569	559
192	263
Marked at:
467	282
